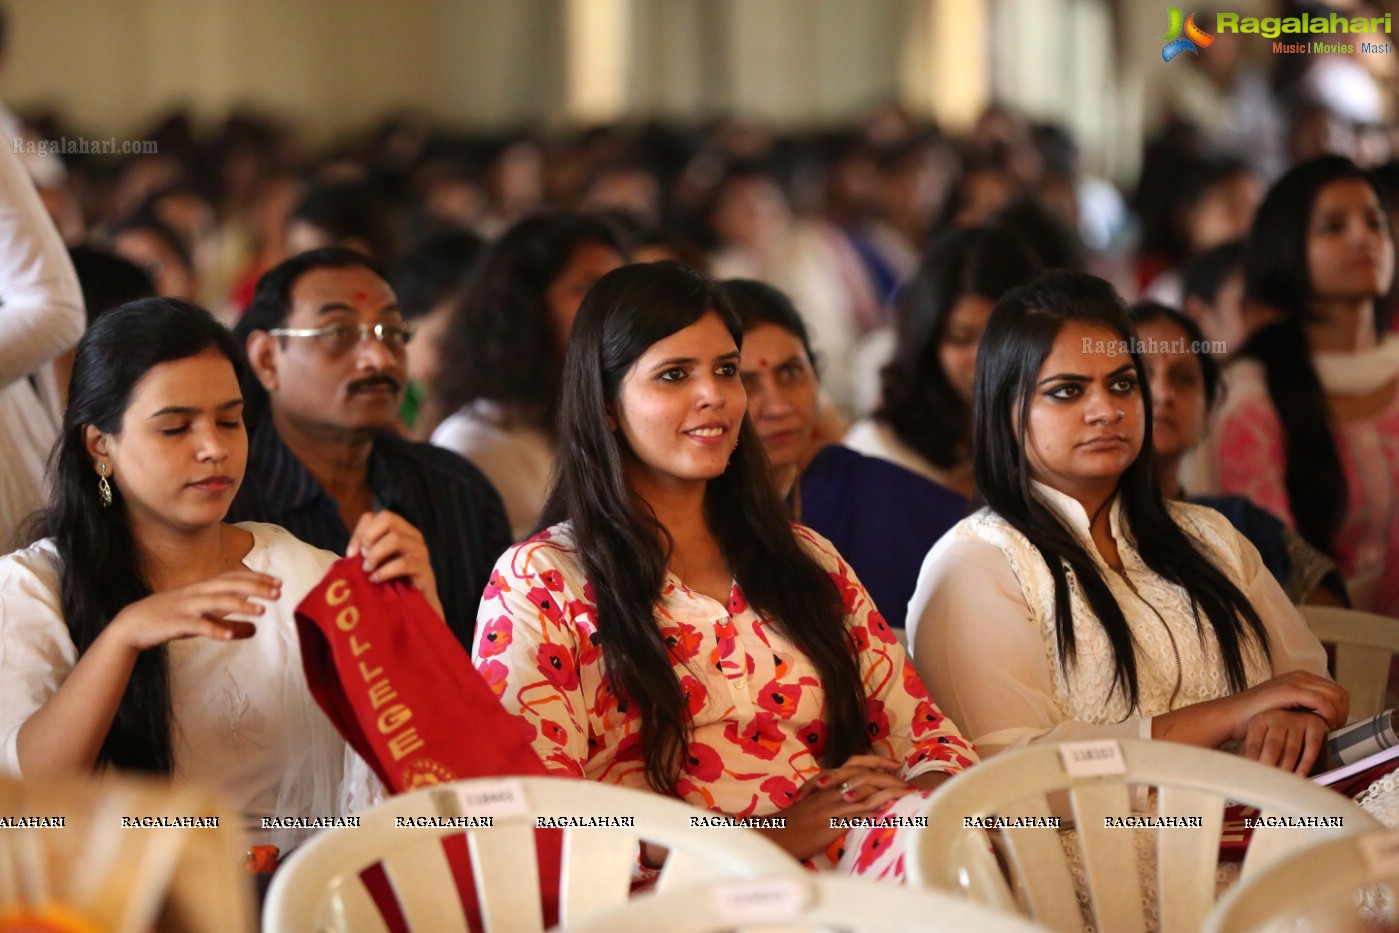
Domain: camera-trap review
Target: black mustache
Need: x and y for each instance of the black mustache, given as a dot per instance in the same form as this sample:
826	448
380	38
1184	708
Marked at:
370	382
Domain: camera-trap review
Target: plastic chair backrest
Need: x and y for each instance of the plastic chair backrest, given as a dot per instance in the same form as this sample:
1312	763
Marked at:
320	887
1293	886
817	902
1189	782
124	877
1365	644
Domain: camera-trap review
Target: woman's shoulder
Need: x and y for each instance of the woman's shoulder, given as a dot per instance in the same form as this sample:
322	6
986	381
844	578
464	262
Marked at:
817	544
1191	514
870	437
874	438
34	569
1244	380
980	533
553	545
482	425
1209	527
277	551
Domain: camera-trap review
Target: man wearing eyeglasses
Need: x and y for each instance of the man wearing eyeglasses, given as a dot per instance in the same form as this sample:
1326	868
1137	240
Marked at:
326	340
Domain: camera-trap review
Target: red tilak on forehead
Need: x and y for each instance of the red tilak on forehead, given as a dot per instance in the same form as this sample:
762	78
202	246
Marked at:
360	296
763	362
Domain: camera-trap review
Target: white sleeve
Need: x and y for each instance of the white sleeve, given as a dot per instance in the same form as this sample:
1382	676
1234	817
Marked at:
36	652
978	647
41	306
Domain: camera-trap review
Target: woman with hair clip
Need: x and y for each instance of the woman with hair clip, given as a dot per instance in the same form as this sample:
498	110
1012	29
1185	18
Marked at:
923	423
1309	426
670	629
879	516
142	632
502	353
1078	603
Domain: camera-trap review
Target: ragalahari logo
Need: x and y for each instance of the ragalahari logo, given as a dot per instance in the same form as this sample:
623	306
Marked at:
1194	36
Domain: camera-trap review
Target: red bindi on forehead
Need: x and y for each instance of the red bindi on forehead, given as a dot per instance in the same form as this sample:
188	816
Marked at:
361	295
763	363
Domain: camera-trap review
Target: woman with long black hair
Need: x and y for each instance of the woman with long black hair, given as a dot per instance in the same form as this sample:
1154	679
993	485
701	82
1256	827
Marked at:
1078	603
1309	425
669	628
143	632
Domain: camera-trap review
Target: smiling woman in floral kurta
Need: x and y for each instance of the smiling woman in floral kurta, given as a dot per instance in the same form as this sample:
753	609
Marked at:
758	714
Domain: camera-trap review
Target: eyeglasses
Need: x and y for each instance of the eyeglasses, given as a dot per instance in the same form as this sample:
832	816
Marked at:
341	338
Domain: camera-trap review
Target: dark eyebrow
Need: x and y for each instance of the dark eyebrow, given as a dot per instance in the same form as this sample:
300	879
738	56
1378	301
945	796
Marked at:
691	361
186	410
339	307
674	361
1063	377
1074	377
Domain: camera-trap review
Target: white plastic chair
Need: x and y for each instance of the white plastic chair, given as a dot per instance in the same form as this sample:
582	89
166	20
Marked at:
320	888
1365	643
120	878
1189	782
1319	884
817	902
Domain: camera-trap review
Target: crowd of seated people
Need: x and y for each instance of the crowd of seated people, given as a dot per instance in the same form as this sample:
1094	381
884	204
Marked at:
675	431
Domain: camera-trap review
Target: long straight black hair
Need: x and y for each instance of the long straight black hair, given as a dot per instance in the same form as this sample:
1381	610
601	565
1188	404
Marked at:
1276	274
624	549
1019	336
100	573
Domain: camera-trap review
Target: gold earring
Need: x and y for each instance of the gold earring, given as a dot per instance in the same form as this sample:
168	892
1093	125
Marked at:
104	488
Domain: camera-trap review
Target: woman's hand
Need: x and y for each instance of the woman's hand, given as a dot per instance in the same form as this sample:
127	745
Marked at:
1288	739
197	610
857	788
392	548
1293	691
1214	722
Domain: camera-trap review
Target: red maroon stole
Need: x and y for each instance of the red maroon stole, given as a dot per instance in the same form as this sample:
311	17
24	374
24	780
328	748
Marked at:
393	678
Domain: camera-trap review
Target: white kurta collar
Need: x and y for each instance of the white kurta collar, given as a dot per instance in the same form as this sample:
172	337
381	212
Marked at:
1075	517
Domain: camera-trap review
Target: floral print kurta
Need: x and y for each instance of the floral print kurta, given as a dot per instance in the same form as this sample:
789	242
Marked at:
1247	445
755	700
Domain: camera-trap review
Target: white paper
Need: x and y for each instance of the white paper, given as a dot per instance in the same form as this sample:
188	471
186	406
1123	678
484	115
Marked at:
1093	759
761	901
492	798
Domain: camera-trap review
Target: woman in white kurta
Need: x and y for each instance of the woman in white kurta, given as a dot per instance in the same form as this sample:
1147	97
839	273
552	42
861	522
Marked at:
41	316
240	710
143	632
1077	603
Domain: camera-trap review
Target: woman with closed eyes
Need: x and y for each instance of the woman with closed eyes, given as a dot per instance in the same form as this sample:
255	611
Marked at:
143	632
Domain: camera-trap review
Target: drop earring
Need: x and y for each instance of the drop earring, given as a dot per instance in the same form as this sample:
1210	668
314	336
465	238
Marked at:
104	488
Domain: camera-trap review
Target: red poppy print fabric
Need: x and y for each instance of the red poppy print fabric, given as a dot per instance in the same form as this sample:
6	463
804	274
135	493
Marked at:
755	701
